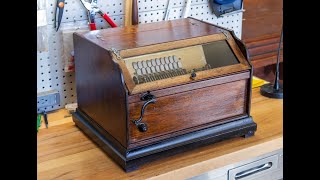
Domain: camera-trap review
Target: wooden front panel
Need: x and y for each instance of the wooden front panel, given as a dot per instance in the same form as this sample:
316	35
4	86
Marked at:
178	112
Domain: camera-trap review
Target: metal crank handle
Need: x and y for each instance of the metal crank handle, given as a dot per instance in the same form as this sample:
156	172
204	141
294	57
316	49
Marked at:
142	127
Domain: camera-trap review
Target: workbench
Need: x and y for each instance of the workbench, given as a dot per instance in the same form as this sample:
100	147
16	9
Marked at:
64	152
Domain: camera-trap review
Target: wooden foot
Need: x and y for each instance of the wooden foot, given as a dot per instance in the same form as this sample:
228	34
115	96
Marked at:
249	134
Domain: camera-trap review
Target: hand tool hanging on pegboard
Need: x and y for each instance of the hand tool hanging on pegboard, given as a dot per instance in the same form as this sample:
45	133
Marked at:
186	9
169	7
225	7
58	14
92	8
135	14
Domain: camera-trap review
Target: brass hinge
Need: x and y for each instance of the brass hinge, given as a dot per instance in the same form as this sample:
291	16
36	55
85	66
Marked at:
115	52
226	34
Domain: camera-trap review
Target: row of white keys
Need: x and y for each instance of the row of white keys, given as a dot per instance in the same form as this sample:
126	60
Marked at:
161	68
155	62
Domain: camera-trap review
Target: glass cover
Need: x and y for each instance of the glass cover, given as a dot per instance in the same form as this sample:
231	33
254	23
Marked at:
167	64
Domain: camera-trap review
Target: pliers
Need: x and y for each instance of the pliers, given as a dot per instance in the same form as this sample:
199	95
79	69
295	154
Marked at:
58	14
92	8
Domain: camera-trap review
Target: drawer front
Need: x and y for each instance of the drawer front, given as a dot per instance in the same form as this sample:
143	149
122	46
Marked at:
262	169
181	111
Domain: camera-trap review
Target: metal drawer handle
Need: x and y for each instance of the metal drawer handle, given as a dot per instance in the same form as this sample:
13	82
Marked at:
254	170
149	98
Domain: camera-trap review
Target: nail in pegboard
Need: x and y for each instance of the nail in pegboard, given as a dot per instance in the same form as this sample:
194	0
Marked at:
50	66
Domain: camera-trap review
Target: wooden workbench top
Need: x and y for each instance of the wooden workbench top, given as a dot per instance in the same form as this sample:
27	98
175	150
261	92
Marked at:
64	152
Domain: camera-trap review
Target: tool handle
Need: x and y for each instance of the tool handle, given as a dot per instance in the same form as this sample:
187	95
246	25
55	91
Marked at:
92	26
109	20
135	18
45	118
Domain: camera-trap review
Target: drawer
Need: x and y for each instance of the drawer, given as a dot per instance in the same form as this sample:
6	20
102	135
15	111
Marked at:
182	112
262	169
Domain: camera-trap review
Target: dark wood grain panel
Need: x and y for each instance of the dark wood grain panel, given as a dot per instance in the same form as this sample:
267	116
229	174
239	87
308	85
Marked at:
262	17
146	34
263	62
100	89
188	109
261	29
264	49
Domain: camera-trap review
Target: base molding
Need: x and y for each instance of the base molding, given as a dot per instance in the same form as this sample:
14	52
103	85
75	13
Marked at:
131	159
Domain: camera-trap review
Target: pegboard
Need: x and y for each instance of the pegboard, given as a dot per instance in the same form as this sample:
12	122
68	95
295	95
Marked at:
50	65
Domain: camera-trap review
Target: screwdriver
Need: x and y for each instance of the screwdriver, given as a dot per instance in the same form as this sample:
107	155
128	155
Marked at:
45	118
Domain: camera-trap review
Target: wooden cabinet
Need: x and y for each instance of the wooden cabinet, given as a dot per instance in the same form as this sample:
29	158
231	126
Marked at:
143	96
261	29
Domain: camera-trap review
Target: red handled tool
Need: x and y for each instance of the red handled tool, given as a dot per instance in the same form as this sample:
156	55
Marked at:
92	8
